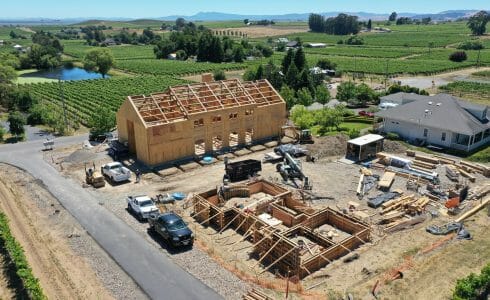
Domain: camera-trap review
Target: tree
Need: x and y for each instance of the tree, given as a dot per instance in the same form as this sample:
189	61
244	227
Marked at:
342	24
219	75
304	97
302	117
179	23
2	132
316	23
393	17
287	94
322	95
471	45
478	22
364	93
291	76
287	60
259	74
300	59
369	25
346	91
245	21
354	40
326	64
16	123
100	60
458	56
103	121
238	53
7	74
164	48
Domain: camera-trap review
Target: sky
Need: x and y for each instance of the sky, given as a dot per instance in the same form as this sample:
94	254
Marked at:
161	8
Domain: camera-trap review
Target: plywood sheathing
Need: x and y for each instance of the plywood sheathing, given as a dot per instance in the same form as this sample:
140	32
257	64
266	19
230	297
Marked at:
215	115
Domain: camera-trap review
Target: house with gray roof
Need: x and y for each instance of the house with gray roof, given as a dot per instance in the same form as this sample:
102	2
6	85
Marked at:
441	120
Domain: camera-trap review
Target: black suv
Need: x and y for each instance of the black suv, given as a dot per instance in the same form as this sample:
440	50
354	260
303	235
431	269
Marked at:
172	228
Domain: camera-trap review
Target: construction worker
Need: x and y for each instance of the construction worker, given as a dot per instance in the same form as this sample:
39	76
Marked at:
138	175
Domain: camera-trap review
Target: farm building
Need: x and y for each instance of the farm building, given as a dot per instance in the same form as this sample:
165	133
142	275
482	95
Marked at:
441	120
190	120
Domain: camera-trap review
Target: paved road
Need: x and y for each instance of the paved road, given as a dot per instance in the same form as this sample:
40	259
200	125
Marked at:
32	133
153	271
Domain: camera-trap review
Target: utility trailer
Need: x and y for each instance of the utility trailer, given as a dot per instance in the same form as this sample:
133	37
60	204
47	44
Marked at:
241	170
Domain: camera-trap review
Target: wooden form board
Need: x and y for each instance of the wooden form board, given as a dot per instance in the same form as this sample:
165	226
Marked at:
273	246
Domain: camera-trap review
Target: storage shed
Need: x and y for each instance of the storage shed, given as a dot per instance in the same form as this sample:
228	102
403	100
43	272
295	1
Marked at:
364	147
202	118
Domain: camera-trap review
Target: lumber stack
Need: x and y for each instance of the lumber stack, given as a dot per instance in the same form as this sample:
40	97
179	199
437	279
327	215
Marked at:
406	205
404	223
477	168
427	159
466	174
423	164
256	295
452	172
396	203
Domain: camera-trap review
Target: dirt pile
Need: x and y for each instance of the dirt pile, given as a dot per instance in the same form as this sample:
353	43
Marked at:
394	147
327	146
80	156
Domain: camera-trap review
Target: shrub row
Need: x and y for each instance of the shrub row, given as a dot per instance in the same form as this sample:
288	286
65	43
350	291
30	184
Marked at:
16	255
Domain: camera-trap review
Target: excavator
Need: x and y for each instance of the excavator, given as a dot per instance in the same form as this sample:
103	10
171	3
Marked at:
291	169
301	136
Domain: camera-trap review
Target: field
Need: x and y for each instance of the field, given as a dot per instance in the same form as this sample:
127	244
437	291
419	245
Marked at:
484	74
478	92
78	49
85	98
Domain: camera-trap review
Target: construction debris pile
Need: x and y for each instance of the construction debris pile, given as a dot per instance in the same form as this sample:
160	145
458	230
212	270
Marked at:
398	210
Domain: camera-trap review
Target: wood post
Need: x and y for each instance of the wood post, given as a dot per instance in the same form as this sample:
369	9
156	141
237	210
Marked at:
277	260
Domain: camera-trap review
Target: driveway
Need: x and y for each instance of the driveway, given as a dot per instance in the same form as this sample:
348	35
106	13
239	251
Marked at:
152	270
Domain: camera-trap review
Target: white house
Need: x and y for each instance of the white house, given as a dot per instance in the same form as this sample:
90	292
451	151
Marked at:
18	47
441	120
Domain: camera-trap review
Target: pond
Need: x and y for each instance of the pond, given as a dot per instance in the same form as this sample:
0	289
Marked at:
65	74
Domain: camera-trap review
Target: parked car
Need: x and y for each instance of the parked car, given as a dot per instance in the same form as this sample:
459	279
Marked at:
364	113
172	229
117	150
142	207
116	172
101	137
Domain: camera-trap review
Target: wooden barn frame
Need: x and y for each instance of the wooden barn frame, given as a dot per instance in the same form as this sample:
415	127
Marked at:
201	118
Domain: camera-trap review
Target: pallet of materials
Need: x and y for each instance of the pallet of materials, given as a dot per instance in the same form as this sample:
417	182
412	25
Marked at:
427	159
452	172
386	180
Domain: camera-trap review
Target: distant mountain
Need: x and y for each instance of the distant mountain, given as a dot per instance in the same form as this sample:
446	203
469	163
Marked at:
447	15
217	16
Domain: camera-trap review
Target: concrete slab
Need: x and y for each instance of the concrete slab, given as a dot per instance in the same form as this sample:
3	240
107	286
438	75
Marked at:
189	166
222	157
271	144
257	148
242	152
169	171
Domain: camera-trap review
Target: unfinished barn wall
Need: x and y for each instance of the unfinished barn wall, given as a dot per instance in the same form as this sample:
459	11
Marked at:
176	119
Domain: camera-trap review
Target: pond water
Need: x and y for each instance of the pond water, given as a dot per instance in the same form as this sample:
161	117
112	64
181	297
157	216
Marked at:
65	74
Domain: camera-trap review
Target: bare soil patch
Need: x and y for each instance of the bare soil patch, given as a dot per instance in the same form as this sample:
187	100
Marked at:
266	31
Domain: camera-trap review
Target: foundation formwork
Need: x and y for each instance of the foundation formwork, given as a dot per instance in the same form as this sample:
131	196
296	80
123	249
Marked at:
281	248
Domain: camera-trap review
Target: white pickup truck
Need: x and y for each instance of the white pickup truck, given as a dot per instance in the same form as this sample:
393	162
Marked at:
116	172
142	207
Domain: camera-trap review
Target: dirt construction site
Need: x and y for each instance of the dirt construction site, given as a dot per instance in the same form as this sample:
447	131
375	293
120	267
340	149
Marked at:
360	230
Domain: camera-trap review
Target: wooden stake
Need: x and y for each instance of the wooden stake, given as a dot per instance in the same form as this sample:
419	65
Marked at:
268	251
277	260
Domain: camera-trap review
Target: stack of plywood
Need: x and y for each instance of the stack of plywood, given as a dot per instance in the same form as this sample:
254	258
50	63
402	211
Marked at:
386	181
